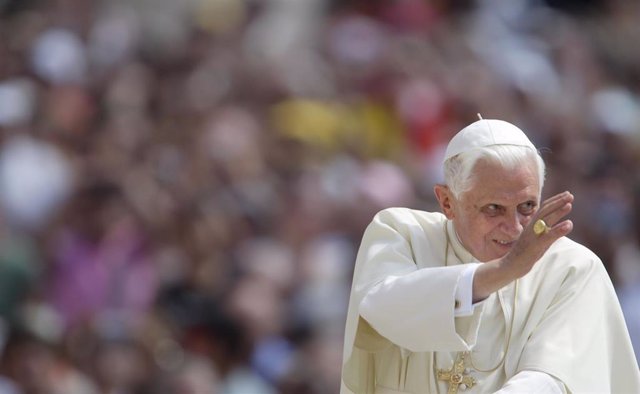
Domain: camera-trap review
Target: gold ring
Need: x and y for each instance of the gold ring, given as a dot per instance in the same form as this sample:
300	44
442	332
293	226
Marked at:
540	227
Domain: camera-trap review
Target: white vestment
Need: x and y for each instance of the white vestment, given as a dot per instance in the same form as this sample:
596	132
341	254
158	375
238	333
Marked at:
401	326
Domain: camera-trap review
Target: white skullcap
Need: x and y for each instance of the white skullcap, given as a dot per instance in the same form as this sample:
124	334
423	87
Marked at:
486	132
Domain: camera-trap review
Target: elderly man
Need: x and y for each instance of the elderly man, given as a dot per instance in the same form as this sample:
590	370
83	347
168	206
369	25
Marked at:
488	296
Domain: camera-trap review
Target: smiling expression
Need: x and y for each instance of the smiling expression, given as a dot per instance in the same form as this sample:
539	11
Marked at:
492	214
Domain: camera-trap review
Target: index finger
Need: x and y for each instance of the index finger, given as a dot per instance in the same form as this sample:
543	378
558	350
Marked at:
554	203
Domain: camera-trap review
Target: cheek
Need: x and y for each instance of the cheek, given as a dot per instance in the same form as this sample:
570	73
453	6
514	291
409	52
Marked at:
480	231
490	229
485	225
525	220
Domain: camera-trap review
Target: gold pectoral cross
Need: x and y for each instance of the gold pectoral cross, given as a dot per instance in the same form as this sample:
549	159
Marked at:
456	375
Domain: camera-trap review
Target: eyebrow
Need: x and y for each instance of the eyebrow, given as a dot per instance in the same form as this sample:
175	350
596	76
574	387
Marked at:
531	200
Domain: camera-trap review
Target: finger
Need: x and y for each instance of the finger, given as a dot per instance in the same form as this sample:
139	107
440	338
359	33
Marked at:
555	216
554	203
556	197
554	233
560	229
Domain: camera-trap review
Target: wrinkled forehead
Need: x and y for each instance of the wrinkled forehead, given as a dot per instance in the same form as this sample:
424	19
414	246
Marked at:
492	178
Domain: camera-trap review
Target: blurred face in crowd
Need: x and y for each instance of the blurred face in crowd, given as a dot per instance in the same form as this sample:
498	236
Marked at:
492	214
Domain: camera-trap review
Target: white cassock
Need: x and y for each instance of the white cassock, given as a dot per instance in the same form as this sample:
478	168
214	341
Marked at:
401	327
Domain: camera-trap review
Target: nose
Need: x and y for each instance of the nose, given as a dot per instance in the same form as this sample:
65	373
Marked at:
513	225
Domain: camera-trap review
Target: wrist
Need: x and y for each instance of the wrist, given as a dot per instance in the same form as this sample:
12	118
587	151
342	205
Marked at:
510	269
491	277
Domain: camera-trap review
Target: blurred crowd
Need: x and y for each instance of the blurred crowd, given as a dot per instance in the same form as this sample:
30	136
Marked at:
184	183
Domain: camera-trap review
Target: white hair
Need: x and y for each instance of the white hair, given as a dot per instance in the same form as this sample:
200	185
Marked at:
458	169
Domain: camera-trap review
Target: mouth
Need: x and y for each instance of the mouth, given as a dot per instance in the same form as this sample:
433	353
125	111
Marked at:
504	244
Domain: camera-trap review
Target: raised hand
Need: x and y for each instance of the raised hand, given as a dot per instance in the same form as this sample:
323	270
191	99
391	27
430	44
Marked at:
495	274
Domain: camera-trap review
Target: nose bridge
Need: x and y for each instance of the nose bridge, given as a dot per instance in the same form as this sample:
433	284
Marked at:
512	222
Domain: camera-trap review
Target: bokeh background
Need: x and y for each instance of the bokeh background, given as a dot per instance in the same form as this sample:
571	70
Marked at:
184	183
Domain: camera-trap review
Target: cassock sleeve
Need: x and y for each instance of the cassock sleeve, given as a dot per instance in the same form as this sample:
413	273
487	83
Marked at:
464	292
412	307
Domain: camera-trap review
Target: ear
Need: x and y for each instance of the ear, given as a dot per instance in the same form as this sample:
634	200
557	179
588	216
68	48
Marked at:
445	199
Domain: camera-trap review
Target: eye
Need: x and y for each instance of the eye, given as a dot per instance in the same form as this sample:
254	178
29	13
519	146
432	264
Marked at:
491	209
527	208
